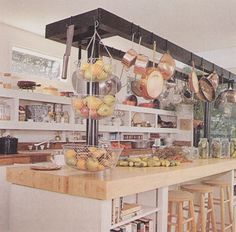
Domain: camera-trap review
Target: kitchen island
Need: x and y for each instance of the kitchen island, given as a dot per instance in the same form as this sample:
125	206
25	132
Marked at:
69	200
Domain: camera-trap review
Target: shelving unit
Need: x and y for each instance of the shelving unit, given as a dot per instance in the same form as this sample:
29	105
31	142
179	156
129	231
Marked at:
16	97
146	211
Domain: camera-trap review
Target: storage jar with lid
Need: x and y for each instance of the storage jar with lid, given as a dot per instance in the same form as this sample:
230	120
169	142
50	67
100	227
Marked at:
215	149
203	148
5	111
225	148
233	147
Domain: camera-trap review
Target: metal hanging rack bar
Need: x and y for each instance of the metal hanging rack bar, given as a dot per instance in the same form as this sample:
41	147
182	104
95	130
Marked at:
113	25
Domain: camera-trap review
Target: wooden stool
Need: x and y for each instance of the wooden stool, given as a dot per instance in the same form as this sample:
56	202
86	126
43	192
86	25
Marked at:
179	198
223	188
206	213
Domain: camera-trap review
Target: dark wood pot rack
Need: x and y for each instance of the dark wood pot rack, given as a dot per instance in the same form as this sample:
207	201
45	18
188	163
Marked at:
112	25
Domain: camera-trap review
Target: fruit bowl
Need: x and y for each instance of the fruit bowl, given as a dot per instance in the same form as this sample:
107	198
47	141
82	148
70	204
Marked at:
96	70
94	107
91	158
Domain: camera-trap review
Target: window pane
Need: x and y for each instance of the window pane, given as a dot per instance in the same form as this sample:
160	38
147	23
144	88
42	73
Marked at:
31	63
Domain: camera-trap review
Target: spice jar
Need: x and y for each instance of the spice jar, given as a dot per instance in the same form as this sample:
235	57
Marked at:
58	117
225	148
203	148
215	148
233	148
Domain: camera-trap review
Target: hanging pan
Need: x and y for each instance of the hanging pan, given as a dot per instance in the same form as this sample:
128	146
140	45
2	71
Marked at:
152	82
193	80
167	65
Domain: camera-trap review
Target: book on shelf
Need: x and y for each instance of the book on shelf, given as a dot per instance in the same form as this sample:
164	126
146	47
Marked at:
148	222
129	208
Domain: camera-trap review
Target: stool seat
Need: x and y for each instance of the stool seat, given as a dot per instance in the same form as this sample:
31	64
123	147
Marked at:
178	196
216	183
197	188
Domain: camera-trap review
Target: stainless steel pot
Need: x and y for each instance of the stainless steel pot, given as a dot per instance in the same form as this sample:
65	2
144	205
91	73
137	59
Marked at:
141	144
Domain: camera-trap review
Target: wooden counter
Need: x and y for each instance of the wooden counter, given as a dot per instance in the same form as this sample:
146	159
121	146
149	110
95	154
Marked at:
117	182
25	157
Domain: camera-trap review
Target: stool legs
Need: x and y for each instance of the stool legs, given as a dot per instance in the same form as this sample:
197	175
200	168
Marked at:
222	209
170	213
229	203
191	213
180	217
211	206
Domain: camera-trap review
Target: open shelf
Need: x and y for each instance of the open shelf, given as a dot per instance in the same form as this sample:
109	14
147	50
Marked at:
146	210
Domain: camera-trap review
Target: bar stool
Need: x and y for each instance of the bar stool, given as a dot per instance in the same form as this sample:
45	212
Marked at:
179	198
206	213
223	188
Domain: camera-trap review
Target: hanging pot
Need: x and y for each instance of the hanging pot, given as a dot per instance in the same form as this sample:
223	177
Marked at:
151	84
167	66
193	80
214	79
111	86
231	94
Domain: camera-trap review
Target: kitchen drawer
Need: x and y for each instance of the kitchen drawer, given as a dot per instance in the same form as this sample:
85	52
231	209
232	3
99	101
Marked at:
6	161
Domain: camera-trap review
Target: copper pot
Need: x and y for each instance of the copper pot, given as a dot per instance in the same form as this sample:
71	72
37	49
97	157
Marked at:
167	66
214	79
151	84
193	80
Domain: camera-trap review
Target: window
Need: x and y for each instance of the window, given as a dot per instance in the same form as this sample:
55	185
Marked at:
33	63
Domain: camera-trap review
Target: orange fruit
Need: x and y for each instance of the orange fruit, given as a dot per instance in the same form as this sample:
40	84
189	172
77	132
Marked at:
81	164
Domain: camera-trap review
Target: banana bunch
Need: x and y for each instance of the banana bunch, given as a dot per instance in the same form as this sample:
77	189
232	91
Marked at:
147	162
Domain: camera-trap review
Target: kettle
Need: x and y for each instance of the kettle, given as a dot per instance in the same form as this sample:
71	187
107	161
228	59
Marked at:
8	145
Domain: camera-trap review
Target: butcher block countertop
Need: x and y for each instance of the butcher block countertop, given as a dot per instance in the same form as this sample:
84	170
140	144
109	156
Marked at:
120	181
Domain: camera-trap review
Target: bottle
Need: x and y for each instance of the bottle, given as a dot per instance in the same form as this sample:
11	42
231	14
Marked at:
203	148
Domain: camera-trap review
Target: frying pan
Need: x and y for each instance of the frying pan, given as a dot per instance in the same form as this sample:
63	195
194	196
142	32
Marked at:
167	66
193	80
135	88
207	89
151	84
27	85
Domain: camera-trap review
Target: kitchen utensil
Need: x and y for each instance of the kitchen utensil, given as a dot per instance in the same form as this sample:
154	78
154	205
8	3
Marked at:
69	41
131	100
200	96
137	119
231	94
193	80
135	87
111	86
31	85
207	89
141	144
141	63
151	84
8	145
129	58
166	66
214	79
46	167
91	158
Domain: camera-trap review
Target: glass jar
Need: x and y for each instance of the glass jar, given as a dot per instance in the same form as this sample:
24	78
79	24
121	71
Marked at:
5	111
233	148
203	148
215	148
225	148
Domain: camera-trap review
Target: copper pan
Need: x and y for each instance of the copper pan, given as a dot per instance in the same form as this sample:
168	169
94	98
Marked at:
166	66
193	80
151	84
207	89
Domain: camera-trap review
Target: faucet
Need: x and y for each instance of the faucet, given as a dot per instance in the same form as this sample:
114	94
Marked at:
46	141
